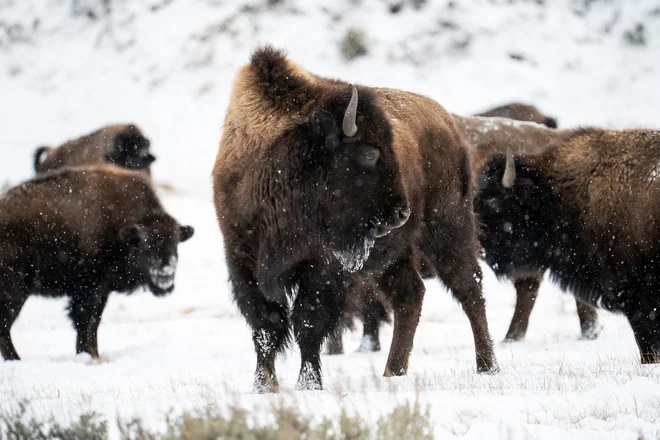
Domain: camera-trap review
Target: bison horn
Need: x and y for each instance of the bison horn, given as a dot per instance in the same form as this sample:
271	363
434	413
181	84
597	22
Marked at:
348	125
509	177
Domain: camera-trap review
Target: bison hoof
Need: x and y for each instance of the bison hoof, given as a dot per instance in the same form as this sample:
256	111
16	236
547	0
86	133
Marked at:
489	366
263	388
98	360
651	358
309	378
591	332
265	382
368	345
397	371
513	337
307	385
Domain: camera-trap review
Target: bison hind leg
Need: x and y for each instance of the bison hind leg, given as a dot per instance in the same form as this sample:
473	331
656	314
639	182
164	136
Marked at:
9	310
85	310
527	289
335	342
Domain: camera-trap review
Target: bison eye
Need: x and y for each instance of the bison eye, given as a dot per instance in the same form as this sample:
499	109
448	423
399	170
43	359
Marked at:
368	156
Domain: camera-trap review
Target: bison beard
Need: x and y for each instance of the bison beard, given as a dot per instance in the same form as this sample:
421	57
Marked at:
317	193
570	210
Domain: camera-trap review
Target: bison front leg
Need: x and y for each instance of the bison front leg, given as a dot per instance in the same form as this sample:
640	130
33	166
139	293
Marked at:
85	312
336	342
375	313
9	310
645	323
317	311
269	320
406	289
590	327
527	288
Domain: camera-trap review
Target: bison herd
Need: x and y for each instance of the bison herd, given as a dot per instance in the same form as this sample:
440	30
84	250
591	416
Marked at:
335	201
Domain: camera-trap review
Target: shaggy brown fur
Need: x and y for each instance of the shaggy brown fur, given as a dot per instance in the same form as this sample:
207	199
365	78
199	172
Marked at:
122	145
307	211
588	209
520	112
83	233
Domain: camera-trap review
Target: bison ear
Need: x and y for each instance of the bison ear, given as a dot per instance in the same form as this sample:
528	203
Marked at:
149	158
325	130
185	233
133	234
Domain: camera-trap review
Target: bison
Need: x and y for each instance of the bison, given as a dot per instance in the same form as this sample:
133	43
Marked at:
520	112
587	208
321	186
83	233
484	136
122	145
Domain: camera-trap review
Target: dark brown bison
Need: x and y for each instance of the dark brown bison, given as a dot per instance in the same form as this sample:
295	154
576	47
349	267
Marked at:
485	136
83	233
587	208
520	112
122	145
319	186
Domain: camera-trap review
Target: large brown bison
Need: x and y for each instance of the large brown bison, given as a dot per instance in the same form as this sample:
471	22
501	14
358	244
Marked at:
520	112
83	233
484	136
319	186
122	145
587	208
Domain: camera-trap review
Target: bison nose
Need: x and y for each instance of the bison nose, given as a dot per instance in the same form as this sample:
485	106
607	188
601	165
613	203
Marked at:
404	214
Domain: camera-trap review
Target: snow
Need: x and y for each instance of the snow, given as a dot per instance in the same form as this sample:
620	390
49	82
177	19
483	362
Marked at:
168	66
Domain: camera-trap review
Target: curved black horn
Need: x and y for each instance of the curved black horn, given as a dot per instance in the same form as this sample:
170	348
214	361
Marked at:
509	177
348	125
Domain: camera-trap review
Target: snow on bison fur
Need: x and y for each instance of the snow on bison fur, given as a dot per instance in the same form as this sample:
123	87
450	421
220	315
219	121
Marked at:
83	233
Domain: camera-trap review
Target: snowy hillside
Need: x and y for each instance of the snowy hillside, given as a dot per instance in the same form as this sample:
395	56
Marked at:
68	67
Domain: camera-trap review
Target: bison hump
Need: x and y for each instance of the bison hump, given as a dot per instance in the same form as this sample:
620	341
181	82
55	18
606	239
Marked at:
285	84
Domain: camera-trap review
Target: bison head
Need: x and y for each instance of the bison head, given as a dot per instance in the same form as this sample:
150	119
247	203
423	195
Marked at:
352	170
131	150
153	251
517	208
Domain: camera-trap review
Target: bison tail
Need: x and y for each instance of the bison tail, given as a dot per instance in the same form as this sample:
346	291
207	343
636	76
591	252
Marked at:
550	122
39	156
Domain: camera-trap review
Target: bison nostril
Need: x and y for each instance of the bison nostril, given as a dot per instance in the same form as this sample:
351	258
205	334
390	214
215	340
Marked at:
404	213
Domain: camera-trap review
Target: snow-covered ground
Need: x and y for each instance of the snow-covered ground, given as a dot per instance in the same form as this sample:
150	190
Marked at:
167	65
